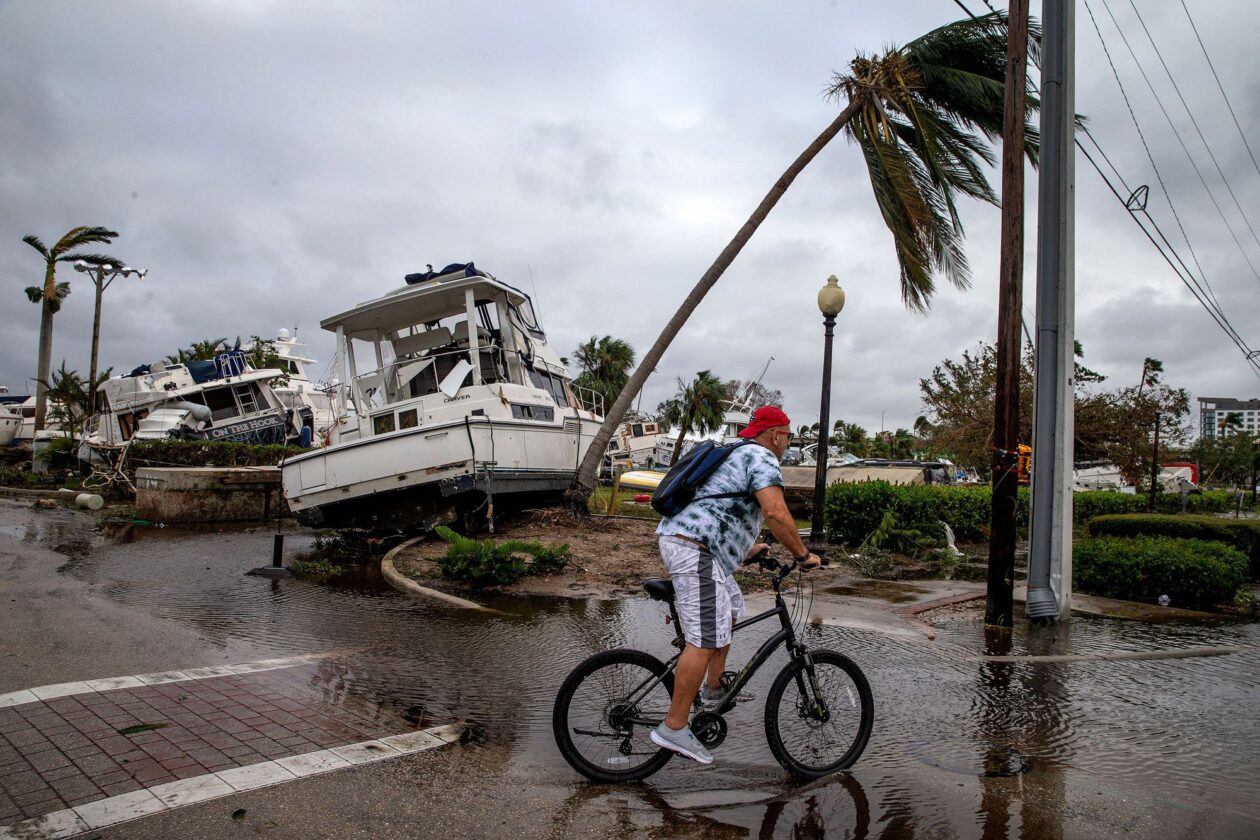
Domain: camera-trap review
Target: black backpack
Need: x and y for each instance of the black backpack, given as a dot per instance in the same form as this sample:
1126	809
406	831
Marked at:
678	488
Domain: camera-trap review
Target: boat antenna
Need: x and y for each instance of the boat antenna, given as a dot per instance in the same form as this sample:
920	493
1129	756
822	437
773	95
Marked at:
534	289
752	384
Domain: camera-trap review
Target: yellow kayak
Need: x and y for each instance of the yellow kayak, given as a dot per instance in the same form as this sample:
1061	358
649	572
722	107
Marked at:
641	479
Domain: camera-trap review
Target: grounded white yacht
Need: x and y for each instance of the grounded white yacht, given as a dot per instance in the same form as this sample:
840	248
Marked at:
221	399
427	429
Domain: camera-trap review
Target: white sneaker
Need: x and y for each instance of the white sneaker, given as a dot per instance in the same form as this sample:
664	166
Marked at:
683	742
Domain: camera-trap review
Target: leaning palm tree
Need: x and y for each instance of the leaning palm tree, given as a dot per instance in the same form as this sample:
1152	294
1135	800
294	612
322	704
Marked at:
605	364
924	116
52	293
698	407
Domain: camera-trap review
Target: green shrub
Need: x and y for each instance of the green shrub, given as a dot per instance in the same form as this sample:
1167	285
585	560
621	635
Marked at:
1242	534
1190	572
17	477
486	563
854	510
315	568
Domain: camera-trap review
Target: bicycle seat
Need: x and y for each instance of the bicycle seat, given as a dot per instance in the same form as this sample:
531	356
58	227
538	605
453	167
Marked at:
660	589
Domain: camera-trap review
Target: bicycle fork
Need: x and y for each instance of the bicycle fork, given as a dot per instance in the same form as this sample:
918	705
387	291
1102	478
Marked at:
812	703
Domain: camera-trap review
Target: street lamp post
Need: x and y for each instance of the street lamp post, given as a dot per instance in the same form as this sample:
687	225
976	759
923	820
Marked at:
102	275
830	302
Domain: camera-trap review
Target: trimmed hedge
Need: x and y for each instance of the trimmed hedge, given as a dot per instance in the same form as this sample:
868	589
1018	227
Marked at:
206	453
1190	572
854	510
1242	534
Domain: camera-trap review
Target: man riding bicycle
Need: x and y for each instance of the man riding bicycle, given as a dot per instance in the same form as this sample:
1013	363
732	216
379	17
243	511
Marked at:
703	545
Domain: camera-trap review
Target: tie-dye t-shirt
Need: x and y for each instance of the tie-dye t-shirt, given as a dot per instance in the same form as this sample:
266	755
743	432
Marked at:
729	526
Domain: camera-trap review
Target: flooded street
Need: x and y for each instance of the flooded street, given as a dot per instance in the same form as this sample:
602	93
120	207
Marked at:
962	747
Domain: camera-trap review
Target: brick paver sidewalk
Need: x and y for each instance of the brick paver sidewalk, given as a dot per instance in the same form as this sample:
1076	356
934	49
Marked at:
66	751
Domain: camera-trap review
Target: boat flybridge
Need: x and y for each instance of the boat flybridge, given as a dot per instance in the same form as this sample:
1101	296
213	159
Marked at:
465	405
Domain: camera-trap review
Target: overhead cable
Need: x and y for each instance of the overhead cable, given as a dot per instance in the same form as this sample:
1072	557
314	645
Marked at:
1221	87
1137	211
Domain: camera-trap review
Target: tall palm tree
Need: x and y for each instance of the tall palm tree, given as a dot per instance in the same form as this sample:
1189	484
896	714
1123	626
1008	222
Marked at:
853	440
698	407
52	293
924	116
605	364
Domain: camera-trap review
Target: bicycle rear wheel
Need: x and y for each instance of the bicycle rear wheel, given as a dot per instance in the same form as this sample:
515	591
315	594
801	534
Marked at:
602	726
819	716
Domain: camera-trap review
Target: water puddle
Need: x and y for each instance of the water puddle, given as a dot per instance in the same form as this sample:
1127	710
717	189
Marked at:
960	748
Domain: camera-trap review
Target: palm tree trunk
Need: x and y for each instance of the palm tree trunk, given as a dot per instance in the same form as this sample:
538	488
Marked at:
999	599
45	346
682	430
580	490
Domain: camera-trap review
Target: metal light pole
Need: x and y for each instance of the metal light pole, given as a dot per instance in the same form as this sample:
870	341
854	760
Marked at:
102	275
830	302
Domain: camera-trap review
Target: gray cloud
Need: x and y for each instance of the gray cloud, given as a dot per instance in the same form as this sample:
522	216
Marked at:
271	166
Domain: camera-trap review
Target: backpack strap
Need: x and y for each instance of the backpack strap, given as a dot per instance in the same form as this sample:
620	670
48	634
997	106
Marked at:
739	445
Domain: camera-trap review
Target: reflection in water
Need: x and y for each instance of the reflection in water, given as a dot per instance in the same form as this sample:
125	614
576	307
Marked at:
960	749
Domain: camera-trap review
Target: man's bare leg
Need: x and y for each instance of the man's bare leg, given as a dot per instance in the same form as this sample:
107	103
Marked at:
716	666
687	678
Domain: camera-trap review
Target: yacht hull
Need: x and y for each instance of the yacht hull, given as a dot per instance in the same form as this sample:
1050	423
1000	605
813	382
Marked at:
407	480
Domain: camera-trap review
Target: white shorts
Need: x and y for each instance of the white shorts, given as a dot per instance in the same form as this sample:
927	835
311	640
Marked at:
708	600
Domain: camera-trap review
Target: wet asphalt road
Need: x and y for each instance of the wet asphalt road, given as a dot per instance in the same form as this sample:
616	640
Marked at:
960	750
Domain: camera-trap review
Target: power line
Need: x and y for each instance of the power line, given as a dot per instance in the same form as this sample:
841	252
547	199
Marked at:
1215	313
1193	121
1137	211
1176	133
1221	87
1150	157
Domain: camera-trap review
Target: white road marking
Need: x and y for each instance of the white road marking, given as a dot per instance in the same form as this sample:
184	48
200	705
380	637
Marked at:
49	692
164	797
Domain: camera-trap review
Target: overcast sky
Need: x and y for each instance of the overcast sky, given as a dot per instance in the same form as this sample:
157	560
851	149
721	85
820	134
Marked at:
272	163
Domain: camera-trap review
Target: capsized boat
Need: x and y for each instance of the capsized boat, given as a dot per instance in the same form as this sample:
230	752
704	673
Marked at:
466	406
220	399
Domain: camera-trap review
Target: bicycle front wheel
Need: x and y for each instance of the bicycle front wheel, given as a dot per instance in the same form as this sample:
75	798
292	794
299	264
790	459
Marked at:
819	716
605	712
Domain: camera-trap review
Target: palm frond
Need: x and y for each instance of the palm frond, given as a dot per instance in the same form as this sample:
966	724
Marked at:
81	236
91	259
35	293
61	292
929	114
36	243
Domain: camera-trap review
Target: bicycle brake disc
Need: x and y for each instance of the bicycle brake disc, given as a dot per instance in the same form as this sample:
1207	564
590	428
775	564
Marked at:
709	728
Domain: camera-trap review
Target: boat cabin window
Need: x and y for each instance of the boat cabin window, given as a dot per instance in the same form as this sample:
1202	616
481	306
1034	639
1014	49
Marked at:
521	411
550	383
408	419
221	403
636	430
383	424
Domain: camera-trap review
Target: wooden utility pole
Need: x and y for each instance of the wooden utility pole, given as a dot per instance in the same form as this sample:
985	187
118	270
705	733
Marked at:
999	601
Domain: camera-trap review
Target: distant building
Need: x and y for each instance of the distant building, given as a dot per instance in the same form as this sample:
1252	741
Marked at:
1214	413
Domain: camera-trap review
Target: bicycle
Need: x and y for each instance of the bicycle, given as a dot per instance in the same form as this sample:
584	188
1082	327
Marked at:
818	716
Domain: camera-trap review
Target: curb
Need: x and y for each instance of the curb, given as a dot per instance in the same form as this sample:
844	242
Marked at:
910	614
409	586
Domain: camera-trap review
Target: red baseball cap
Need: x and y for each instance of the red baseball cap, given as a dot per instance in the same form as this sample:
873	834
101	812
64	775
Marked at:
766	417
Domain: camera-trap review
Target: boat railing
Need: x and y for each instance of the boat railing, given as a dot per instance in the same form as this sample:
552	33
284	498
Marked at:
588	398
419	376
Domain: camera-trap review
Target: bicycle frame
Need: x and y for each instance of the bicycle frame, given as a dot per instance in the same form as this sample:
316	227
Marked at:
785	635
